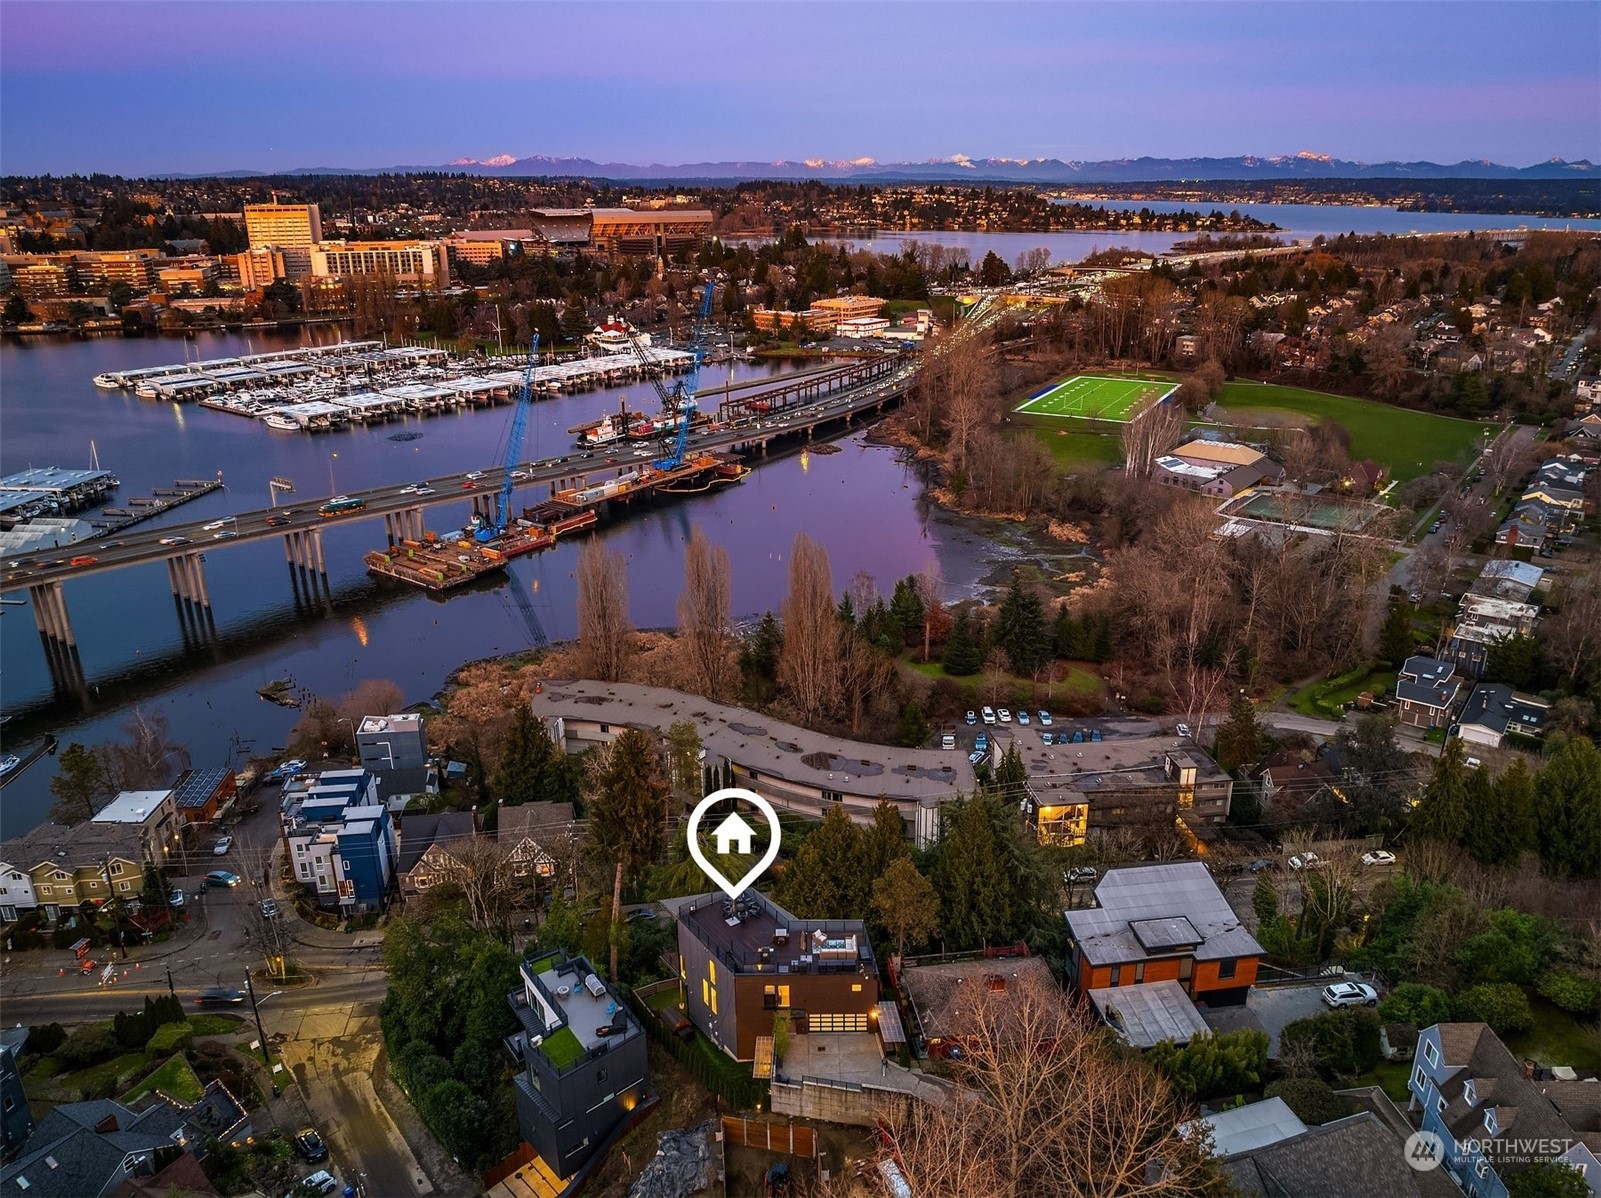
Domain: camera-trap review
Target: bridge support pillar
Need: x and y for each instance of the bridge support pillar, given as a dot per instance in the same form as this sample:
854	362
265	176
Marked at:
58	640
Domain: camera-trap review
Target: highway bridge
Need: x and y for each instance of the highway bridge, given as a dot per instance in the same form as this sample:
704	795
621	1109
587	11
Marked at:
796	407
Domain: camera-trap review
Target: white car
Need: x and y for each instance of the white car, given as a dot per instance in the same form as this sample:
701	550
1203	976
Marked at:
222	846
1004	715
215	525
322	1181
1184	731
989	715
1381	857
1350	994
475	475
1305	861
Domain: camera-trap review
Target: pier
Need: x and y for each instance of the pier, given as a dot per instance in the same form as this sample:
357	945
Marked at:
163	499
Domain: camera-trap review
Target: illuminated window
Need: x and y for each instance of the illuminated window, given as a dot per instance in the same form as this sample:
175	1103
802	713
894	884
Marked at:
714	1000
856	987
705	992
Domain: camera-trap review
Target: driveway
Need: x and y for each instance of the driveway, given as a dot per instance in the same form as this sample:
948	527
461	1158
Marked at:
1276	1007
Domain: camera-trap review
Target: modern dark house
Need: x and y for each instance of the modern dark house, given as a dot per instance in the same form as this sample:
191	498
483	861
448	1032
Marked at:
582	1056
16	1120
743	961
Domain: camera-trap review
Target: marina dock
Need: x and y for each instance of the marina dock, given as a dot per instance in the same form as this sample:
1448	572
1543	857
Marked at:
162	499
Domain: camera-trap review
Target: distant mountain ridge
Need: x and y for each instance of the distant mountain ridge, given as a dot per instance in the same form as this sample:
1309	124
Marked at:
1304	165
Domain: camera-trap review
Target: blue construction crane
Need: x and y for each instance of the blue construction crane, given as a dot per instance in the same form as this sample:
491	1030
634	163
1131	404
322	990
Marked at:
514	449
683	393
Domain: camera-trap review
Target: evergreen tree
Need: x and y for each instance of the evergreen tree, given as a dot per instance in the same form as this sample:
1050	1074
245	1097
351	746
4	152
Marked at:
1568	808
884	840
1103	639
527	755
1011	774
912	730
825	880
758	661
907	608
964	653
1070	636
626	815
1395	637
1442	813
970	875
1020	628
1514	660
1241	739
81	786
905	904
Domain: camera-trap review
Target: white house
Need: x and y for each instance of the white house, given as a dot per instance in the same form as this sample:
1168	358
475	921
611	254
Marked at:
16	892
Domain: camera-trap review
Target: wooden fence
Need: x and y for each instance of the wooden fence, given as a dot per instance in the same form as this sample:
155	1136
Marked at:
771	1137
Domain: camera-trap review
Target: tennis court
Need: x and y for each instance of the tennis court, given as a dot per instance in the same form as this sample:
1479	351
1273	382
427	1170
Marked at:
1087	397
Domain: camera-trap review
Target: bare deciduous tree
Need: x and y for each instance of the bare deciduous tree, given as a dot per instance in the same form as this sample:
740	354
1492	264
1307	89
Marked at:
1150	432
603	623
147	757
931	593
705	623
808	664
1047	1109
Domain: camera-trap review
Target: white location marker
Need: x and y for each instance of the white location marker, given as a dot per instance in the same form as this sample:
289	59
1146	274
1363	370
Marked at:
733	835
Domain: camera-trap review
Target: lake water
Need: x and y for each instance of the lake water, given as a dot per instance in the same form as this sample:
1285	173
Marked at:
1295	221
864	505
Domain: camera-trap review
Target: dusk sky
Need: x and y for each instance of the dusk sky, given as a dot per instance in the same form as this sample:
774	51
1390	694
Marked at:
143	88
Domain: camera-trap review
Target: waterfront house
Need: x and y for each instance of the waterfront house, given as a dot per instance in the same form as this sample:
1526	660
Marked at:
202	795
581	1059
154	813
744	961
340	839
1165	922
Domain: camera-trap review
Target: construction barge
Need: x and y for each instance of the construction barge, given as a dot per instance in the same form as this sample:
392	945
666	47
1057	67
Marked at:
444	562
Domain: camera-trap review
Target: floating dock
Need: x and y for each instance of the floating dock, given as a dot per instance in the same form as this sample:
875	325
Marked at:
437	563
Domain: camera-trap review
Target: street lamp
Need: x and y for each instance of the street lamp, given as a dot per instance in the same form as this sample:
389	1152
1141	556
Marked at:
333	488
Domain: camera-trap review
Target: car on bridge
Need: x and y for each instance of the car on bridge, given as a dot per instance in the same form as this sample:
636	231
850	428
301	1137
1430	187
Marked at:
174	540
275	521
83	559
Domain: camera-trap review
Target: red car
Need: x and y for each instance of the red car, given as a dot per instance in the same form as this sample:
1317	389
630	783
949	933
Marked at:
468	484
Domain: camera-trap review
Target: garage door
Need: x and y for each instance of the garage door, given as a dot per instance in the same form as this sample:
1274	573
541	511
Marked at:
819	1022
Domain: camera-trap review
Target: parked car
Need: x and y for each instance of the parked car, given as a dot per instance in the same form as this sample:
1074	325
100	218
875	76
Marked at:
1184	731
947	740
321	1181
1262	863
1081	873
972	718
222	846
1004	715
221	877
1350	994
1381	857
269	908
1022	718
219	996
175	898
309	1144
1045	718
989	715
1305	861
976	756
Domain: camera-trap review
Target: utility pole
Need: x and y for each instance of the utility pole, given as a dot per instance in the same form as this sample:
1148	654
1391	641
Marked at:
170	990
256	1011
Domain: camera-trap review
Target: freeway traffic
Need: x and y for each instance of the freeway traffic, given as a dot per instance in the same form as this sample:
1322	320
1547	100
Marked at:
131	549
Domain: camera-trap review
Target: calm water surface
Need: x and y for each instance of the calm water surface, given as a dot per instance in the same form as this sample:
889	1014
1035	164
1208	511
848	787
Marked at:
864	505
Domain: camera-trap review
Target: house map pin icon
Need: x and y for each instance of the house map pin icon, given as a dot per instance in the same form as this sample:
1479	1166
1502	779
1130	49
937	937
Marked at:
733	834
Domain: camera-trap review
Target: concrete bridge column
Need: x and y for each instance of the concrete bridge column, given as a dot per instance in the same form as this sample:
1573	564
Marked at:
316	548
50	614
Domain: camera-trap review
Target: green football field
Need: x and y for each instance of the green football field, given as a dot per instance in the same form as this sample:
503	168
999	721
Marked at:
1088	397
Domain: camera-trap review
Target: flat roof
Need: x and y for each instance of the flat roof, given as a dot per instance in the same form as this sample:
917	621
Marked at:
406	722
1131	896
131	807
756	935
1144	1015
51	479
767	746
1247	1128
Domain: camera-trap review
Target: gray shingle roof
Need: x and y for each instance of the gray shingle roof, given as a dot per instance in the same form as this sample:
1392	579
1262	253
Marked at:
1352	1157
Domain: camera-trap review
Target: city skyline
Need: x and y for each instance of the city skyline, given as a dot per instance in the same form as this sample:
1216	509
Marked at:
682	83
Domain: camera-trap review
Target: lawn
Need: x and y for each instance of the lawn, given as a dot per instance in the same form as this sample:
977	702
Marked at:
1077	680
1405	442
1391	1077
562	1049
214	1025
1090	397
1558	1039
1081	449
175	1078
1327	700
96	1079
